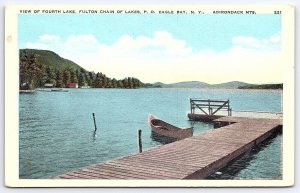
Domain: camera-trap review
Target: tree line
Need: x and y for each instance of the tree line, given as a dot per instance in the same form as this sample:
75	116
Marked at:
33	75
263	86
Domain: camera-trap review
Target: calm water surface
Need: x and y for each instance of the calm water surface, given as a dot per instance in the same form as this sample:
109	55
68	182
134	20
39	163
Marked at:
56	128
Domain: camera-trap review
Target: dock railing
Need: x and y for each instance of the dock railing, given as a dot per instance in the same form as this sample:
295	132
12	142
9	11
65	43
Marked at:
209	107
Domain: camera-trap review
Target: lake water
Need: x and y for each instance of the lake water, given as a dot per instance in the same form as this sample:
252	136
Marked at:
56	128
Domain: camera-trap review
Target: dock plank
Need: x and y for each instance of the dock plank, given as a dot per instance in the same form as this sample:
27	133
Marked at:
190	158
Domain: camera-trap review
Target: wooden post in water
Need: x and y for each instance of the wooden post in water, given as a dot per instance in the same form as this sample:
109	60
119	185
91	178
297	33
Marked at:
140	140
94	122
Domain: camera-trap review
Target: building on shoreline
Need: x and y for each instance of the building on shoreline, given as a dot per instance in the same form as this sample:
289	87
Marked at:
72	85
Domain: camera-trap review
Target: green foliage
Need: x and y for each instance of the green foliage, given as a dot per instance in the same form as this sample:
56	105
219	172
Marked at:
30	71
60	79
73	76
38	67
81	79
66	77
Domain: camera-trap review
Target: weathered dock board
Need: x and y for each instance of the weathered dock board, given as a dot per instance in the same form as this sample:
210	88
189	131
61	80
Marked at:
192	158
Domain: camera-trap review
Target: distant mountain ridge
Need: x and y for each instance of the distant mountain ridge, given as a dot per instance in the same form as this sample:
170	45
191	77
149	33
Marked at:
198	84
232	84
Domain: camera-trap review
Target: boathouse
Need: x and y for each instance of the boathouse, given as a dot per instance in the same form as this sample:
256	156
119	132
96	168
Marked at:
72	85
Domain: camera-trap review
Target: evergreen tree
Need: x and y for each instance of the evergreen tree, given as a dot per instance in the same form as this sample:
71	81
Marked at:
51	76
130	82
92	77
81	80
66	77
125	83
87	78
30	71
120	84
114	83
98	80
73	76
104	81
109	83
60	79
44	79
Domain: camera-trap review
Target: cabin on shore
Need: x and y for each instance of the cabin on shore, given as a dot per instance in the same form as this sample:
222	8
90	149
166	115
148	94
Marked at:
72	85
48	85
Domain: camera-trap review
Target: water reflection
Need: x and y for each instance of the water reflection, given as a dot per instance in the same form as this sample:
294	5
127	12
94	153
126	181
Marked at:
94	136
161	138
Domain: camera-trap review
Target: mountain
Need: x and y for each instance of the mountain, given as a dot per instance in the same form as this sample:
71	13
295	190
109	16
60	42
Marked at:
51	59
41	67
186	84
198	84
231	84
189	84
159	85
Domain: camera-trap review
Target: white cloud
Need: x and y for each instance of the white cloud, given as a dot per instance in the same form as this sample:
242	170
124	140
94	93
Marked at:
89	38
164	58
81	43
34	45
47	37
161	44
273	42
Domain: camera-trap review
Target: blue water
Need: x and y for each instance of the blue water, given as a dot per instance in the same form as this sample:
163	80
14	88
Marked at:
56	128
261	162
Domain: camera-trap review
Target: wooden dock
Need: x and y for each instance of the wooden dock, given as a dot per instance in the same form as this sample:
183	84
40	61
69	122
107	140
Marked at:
192	158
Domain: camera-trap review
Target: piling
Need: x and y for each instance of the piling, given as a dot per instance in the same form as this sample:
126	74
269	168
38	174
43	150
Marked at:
94	122
140	140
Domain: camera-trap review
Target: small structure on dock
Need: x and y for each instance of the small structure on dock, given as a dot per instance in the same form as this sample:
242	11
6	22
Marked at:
208	109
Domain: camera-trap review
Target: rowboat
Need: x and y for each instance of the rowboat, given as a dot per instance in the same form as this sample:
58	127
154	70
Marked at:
165	129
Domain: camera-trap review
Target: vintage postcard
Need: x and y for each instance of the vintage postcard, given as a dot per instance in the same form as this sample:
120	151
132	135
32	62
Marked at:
149	96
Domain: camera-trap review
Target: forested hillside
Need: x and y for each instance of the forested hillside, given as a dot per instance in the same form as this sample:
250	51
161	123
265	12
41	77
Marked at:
38	67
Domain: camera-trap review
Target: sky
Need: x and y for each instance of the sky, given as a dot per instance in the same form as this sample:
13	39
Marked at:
211	48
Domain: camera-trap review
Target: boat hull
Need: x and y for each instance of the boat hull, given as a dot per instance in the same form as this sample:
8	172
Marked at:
165	129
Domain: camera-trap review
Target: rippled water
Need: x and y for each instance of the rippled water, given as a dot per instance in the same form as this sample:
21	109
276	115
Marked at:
261	162
56	128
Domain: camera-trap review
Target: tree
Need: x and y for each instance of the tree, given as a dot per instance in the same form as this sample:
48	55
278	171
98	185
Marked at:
109	83
81	80
59	79
44	78
114	83
73	76
98	80
92	77
125	83
120	84
104	81
66	77
30	71
130	82
51	76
